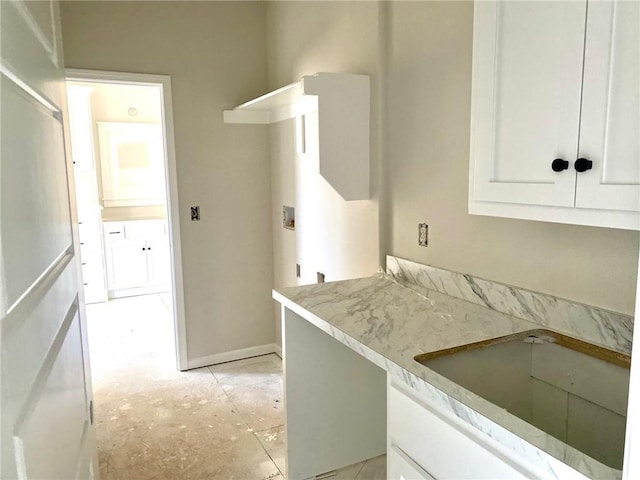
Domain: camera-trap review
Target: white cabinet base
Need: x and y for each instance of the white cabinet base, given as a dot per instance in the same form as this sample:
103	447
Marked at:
334	401
443	446
138	257
401	467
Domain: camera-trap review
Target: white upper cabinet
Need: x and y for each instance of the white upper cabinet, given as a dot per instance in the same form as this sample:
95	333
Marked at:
610	120
554	82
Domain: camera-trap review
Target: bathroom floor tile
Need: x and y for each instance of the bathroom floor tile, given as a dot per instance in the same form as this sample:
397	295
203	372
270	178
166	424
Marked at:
261	405
250	371
274	441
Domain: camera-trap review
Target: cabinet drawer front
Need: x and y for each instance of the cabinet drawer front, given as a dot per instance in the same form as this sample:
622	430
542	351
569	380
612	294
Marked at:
145	229
444	447
113	231
402	467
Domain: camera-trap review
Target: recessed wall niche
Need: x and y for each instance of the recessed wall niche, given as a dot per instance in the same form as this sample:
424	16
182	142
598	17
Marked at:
289	217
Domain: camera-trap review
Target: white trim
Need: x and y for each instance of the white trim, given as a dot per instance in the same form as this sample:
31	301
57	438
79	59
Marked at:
278	350
233	355
173	207
567	215
631	468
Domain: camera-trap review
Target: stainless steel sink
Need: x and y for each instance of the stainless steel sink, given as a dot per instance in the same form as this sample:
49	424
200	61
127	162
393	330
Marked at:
572	390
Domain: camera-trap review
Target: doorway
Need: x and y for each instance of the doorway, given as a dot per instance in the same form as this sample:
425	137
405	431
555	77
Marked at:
125	179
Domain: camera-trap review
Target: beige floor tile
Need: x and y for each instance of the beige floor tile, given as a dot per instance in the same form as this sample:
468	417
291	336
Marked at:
154	422
250	371
274	441
261	405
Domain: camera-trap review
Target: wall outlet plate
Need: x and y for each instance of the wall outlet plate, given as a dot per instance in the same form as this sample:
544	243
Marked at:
195	213
423	234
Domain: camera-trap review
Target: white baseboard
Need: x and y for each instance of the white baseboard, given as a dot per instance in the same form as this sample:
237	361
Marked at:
233	355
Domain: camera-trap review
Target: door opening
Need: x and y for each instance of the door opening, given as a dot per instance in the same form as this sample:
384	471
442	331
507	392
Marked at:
125	174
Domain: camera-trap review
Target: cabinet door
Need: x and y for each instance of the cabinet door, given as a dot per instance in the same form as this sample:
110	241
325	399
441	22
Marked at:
611	108
446	447
127	264
527	77
159	265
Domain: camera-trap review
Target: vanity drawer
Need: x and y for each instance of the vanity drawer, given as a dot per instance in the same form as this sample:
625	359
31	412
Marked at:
113	231
444	446
145	229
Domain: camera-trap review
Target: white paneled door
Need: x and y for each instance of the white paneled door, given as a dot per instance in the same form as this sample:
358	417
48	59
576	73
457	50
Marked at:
46	431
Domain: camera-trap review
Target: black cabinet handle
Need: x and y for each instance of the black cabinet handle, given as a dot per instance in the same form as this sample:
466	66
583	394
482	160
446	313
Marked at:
143	249
559	165
114	233
582	165
148	248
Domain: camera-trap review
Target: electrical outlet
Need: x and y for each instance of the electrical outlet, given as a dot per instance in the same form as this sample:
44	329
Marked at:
195	213
423	234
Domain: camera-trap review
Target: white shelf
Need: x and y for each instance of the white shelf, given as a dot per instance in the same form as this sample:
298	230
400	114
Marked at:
342	103
282	104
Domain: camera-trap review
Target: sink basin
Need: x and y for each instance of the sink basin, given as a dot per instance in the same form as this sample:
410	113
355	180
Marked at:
575	391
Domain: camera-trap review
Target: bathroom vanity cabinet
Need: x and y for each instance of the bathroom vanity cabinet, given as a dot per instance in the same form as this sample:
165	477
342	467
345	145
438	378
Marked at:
137	254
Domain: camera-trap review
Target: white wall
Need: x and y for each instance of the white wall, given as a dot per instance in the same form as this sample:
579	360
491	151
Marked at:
215	54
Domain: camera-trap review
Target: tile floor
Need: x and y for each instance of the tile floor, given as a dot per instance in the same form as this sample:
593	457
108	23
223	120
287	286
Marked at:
154	422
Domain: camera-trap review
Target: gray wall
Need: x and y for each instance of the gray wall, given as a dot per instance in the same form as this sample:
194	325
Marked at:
428	162
215	53
305	38
419	54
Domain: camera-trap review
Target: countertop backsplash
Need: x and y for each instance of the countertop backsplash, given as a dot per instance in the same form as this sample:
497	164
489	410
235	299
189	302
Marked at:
595	325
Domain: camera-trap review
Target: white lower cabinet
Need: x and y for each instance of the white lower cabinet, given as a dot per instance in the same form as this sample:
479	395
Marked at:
137	257
424	443
402	467
127	264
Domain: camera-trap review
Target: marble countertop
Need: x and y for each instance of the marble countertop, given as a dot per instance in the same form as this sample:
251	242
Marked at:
389	324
